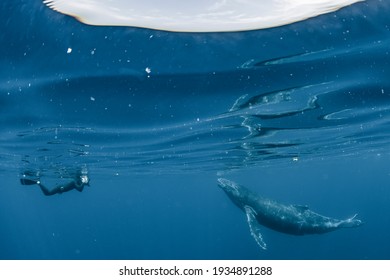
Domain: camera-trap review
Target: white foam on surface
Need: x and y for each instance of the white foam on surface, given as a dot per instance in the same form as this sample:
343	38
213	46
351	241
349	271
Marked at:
196	15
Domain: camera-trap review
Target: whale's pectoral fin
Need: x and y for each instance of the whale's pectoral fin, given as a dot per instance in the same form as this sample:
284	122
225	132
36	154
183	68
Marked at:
254	227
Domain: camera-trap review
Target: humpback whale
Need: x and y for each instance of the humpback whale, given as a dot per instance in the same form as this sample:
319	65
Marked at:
290	219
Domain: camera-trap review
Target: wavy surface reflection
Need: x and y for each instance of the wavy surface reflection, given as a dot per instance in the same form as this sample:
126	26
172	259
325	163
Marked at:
205	102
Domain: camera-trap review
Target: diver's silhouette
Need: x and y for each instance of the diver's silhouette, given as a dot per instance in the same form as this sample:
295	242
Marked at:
77	183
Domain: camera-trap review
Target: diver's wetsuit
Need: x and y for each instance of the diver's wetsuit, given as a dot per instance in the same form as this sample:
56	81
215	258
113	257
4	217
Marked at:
77	184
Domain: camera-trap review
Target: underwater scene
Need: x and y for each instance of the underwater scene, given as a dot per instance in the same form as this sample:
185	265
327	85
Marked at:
210	130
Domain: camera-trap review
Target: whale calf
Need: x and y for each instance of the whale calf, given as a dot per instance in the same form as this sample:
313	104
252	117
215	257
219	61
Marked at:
290	219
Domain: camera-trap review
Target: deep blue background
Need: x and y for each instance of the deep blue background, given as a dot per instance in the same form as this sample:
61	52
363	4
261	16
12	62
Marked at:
189	217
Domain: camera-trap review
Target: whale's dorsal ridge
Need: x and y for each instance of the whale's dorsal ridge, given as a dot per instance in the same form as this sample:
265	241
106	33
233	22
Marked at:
301	208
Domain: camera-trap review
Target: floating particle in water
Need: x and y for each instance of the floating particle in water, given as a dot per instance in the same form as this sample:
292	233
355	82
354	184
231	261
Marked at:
148	70
69	50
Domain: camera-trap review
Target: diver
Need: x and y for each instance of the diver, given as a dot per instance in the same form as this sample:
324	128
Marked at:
81	179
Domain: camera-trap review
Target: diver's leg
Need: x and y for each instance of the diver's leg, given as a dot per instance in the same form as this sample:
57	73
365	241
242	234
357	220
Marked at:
46	191
26	182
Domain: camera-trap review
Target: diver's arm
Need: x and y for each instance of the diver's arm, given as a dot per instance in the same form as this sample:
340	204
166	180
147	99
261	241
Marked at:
79	187
58	189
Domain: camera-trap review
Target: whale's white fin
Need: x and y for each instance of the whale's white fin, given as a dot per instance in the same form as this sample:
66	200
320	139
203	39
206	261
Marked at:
254	227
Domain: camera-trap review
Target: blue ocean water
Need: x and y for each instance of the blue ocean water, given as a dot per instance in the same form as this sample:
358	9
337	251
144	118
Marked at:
298	113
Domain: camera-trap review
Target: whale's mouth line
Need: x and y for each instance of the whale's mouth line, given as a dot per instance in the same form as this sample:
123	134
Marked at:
222	182
228	186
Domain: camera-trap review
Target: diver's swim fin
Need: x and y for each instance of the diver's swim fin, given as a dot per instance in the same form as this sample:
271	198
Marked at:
27	182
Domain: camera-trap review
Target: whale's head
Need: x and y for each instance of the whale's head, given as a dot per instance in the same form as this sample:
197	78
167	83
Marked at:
231	188
240	195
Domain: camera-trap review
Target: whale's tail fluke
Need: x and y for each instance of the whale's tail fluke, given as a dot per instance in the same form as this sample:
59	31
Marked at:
350	222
